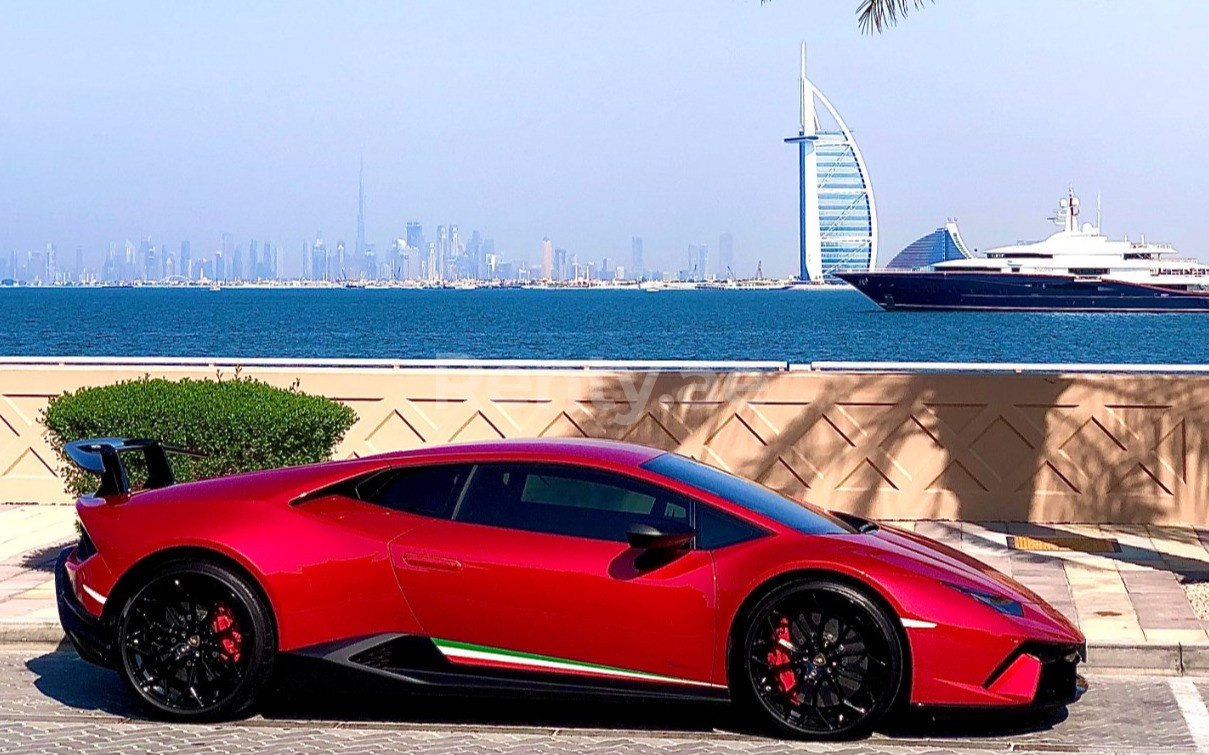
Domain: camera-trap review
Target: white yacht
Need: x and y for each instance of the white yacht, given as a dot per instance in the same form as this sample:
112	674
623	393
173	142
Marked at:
1077	268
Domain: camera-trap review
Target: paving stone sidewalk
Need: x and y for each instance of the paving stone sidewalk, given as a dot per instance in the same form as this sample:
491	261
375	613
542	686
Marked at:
1129	596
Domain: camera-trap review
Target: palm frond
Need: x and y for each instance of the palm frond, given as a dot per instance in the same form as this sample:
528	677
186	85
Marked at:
877	15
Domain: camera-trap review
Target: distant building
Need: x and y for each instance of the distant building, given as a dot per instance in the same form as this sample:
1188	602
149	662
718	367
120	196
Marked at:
185	260
698	261
415	235
360	258
442	254
475	266
837	214
52	268
636	266
561	271
940	245
319	259
547	259
431	264
726	255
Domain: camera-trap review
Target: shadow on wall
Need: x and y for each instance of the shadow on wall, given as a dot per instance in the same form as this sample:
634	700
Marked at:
1121	449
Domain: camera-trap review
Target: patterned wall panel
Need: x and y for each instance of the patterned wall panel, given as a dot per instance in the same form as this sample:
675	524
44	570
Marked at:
988	447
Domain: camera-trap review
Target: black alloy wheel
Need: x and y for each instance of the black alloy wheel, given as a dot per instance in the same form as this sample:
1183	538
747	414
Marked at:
817	659
196	642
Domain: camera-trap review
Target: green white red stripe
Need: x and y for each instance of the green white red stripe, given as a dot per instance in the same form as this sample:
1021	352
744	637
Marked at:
481	655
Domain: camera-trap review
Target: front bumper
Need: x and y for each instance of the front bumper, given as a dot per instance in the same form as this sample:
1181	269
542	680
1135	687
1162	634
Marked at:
91	637
1040	674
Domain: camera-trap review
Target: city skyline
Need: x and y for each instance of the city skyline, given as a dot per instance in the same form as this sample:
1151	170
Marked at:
100	147
408	255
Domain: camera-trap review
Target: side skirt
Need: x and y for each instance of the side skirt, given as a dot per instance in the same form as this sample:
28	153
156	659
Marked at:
420	662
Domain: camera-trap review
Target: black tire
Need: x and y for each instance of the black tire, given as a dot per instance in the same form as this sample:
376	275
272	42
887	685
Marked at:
196	642
840	668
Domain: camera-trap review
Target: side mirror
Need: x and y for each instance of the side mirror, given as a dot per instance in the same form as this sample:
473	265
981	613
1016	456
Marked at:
665	535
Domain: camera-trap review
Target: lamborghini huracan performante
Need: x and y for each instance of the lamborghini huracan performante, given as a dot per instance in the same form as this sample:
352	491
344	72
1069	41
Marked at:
546	566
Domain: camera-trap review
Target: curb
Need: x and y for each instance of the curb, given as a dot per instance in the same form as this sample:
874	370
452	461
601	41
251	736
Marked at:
16	633
1171	659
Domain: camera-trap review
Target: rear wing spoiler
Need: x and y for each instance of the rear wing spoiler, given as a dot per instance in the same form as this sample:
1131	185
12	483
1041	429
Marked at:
102	456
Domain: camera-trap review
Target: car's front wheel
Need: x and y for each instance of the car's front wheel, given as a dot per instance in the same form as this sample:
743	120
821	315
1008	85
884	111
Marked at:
817	659
196	641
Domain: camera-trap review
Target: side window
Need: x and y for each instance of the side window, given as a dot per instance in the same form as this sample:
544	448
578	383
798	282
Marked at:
717	529
429	491
563	500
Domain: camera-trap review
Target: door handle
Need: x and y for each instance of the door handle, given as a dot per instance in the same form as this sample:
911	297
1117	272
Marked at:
424	561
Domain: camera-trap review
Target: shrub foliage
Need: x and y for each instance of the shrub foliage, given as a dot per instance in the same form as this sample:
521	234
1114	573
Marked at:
240	424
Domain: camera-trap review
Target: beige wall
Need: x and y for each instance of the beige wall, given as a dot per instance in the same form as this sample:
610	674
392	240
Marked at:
985	447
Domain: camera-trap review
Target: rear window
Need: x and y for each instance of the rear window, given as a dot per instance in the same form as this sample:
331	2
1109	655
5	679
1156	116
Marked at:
424	490
748	494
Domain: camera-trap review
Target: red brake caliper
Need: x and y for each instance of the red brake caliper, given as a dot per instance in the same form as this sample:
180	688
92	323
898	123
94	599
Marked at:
787	680
226	631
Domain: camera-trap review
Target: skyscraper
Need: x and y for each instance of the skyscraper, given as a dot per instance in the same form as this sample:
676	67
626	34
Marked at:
52	267
561	271
359	252
836	213
726	255
490	259
547	259
442	253
186	262
415	236
319	271
474	254
636	266
698	261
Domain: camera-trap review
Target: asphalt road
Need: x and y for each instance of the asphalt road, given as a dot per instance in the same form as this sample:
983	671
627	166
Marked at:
54	702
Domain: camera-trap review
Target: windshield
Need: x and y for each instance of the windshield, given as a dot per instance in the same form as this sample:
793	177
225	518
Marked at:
749	495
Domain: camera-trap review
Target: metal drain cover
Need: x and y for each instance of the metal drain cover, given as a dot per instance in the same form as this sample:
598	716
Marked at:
1063	543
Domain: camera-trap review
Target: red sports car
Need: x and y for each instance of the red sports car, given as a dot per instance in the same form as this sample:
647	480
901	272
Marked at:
550	566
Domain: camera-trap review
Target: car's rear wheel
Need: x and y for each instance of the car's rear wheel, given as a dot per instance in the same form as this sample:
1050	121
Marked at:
197	641
817	659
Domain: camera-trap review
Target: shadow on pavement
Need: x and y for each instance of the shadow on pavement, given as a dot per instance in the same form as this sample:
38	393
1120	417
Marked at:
972	724
306	692
79	685
43	558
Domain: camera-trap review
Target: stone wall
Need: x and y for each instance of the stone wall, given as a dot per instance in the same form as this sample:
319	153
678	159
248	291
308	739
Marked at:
1087	448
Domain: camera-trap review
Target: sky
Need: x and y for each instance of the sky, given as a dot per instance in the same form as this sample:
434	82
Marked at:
590	122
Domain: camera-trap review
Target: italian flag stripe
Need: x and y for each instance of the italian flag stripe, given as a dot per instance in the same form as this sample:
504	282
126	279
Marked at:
481	655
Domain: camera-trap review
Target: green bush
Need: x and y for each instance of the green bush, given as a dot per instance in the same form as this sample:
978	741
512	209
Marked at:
240	424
